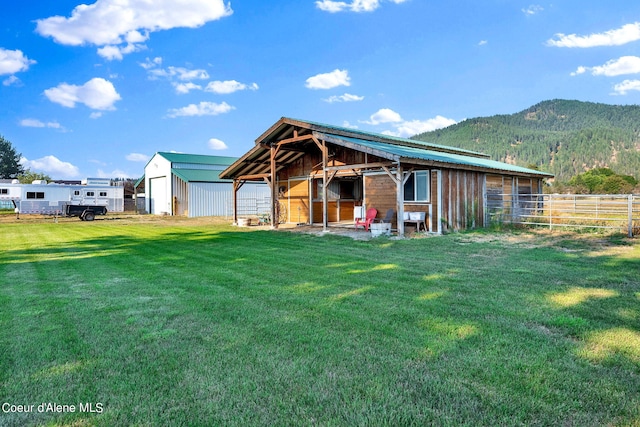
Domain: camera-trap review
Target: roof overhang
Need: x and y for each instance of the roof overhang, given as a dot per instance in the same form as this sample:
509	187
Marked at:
291	139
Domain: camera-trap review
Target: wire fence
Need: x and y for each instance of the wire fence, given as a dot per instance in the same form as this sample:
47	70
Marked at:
605	211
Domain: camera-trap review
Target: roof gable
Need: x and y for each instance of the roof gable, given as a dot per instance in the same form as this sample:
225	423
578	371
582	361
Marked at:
283	127
297	135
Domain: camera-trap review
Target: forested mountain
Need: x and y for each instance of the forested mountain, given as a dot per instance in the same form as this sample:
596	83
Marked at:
559	136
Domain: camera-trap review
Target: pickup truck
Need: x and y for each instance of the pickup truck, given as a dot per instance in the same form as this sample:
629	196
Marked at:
84	212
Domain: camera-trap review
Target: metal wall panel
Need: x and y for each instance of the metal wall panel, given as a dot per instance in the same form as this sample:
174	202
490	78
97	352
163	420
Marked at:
216	199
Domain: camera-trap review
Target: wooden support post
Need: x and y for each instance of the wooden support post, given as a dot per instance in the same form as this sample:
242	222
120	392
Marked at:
235	202
325	181
400	199
274	188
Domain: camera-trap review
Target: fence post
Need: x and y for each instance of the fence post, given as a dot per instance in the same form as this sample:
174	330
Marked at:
550	209
630	211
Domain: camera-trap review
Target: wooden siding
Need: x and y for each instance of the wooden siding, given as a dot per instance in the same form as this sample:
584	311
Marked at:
462	199
380	194
332	212
298	196
338	210
312	161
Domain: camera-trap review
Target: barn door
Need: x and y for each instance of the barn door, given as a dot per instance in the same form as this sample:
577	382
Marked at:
298	201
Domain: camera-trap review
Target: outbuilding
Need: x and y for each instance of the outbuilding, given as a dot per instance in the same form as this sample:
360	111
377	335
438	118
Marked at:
324	174
190	185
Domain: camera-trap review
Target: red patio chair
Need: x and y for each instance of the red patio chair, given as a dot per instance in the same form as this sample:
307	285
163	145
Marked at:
366	222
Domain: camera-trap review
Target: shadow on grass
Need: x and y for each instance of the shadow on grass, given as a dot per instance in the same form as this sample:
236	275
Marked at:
439	330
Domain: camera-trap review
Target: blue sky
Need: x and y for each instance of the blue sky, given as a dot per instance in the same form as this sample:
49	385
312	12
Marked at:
95	90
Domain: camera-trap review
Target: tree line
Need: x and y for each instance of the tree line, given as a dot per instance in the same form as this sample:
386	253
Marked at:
565	138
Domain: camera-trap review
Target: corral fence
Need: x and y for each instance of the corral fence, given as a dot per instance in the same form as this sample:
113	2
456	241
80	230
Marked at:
615	212
249	206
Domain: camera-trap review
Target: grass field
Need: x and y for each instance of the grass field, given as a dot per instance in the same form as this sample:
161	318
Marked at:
162	323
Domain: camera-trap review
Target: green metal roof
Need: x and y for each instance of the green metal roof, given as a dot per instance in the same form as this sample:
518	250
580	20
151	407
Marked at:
396	139
198	158
198	175
139	181
406	153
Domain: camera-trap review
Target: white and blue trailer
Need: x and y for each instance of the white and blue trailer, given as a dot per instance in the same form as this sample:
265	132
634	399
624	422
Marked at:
94	196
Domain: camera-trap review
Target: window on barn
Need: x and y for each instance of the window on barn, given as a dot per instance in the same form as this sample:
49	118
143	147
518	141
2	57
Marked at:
416	188
90	194
4	191
103	194
35	195
76	193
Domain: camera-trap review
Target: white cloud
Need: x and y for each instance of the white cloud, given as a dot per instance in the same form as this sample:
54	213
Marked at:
151	63
11	80
97	94
124	24
112	52
483	42
384	115
354	6
347	97
626	86
137	157
414	127
51	165
228	86
201	109
329	80
117	173
532	10
615	67
216	144
406	128
13	61
183	88
626	34
179	73
184	77
35	123
332	6
580	70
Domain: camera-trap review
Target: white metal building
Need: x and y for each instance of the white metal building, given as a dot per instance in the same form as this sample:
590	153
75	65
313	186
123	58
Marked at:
189	185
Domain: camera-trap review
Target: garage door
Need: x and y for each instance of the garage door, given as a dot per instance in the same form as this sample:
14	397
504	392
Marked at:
158	196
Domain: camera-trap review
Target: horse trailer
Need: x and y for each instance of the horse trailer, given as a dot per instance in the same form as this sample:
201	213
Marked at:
40	197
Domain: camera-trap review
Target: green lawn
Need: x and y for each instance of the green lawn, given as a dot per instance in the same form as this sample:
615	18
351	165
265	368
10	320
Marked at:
166	323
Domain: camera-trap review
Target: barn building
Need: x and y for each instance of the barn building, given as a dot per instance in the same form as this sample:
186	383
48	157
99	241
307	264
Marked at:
323	174
190	185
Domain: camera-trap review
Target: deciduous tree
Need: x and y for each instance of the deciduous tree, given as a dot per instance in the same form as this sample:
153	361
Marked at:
10	166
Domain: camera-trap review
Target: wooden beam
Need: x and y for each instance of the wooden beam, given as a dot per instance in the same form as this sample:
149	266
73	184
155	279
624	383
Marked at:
333	175
295	138
361	166
320	145
391	175
407	175
254	177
